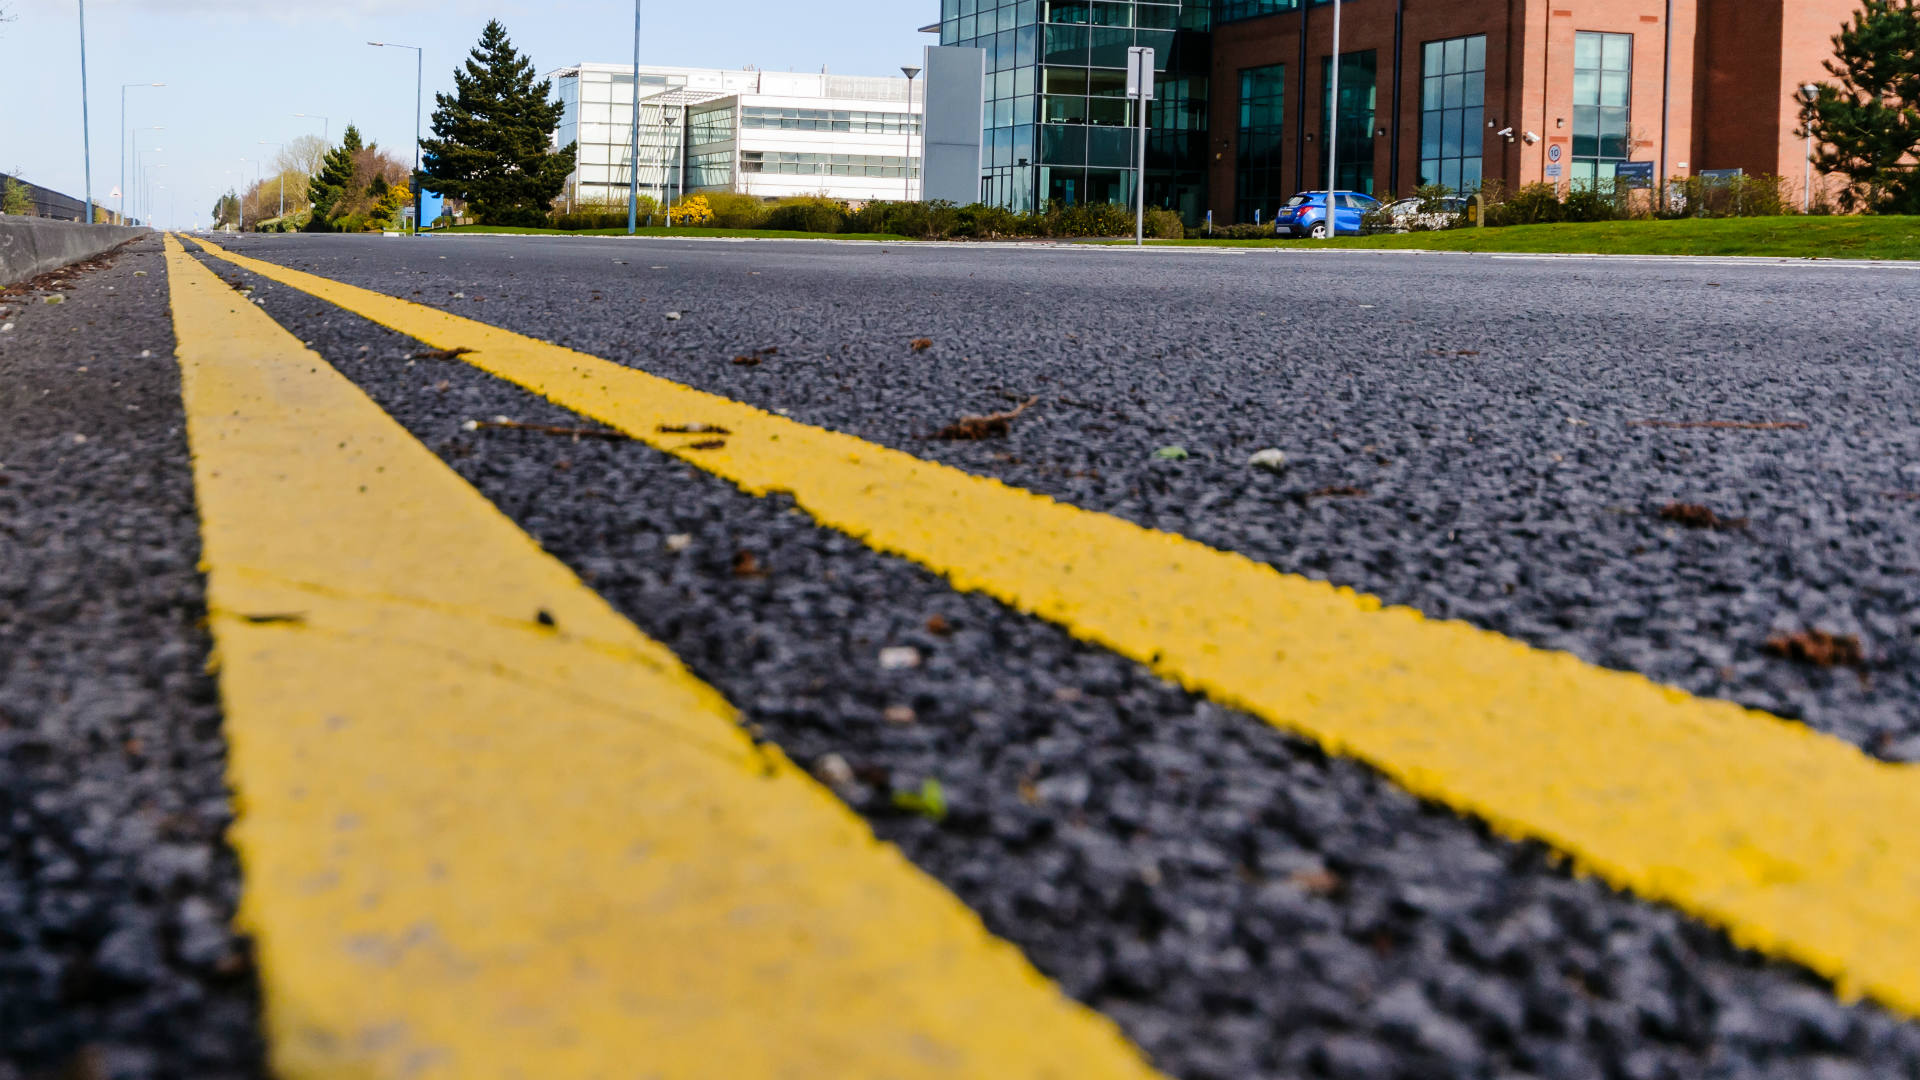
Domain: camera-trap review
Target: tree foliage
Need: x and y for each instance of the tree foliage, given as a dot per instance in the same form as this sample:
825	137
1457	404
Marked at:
1866	125
14	198
493	137
226	209
334	178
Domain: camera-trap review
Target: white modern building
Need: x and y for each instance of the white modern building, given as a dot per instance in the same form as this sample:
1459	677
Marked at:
765	133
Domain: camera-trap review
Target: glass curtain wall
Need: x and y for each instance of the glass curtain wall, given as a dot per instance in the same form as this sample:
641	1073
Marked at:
1358	93
1453	94
1260	185
1058	126
597	114
1602	105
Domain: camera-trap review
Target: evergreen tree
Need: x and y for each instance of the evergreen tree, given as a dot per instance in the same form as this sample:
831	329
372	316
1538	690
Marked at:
494	135
1867	127
334	180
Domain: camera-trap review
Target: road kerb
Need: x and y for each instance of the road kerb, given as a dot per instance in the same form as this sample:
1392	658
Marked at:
489	829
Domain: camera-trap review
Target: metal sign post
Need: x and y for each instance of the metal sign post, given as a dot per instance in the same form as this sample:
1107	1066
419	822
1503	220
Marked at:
1140	91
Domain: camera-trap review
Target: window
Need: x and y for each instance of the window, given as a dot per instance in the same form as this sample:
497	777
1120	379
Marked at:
712	125
1453	95
1226	11
710	170
1259	183
1602	101
790	164
871	123
1355	134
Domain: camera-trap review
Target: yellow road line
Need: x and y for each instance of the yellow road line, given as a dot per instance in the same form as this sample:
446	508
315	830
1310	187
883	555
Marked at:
1796	843
479	845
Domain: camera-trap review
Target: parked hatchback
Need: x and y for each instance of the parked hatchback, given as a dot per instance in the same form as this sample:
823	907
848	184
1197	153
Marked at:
1306	214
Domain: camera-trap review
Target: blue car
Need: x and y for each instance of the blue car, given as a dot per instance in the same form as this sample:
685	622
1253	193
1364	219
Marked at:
1306	214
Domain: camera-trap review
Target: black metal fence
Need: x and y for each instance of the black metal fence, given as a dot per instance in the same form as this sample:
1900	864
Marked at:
48	203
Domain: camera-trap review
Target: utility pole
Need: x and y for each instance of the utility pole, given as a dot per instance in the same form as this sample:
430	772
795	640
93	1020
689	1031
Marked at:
1140	92
419	82
1333	125
906	167
124	138
86	135
633	151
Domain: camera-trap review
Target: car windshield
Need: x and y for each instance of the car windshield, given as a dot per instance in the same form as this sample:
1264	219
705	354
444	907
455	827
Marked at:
1303	200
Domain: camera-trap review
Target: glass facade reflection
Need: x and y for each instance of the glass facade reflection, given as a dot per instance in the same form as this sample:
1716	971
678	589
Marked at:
1260	184
1358	100
1453	95
1602	100
1058	125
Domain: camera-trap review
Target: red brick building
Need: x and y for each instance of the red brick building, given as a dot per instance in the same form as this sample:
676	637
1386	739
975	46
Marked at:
1428	86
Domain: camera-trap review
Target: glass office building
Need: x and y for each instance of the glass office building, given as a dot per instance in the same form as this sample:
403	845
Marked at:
1058	125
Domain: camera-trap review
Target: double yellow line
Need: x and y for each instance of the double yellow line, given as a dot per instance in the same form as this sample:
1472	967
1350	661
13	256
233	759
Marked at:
1795	843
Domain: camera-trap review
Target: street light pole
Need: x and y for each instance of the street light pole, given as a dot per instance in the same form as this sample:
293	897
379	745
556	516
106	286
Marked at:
633	136
1333	125
124	138
419	85
906	167
1809	93
326	125
86	135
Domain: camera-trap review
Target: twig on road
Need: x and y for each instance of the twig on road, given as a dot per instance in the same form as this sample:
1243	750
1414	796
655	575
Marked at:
546	429
992	425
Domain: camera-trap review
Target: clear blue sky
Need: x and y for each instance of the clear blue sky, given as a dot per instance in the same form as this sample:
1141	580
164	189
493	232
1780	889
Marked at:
237	70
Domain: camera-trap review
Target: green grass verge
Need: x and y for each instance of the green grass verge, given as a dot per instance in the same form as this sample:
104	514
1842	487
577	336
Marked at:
1788	237
776	234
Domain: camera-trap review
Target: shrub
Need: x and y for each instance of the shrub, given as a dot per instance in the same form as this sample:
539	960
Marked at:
1534	204
1733	196
980	221
601	215
1241	231
808	213
691	210
735	211
1163	224
935	220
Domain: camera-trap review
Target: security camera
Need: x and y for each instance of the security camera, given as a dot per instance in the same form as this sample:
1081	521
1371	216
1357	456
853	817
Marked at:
1531	138
1505	133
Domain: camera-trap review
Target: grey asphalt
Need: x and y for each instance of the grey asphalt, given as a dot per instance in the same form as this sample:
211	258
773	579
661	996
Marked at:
1244	906
116	885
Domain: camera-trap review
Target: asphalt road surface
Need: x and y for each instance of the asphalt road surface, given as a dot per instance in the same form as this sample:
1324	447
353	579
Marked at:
1501	441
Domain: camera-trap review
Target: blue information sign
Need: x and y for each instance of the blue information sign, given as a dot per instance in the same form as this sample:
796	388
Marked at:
1637	174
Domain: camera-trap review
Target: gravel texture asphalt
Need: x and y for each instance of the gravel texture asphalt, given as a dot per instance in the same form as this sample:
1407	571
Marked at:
116	888
1244	906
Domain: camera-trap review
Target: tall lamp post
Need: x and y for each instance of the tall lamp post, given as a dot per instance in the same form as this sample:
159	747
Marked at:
140	209
419	81
1333	126
146	195
633	136
133	193
124	135
326	125
906	167
279	178
86	134
1809	93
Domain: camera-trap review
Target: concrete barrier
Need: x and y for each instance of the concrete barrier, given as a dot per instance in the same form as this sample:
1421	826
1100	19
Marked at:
30	247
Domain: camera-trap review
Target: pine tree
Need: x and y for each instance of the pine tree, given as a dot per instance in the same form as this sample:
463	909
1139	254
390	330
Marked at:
494	135
334	180
1867	127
